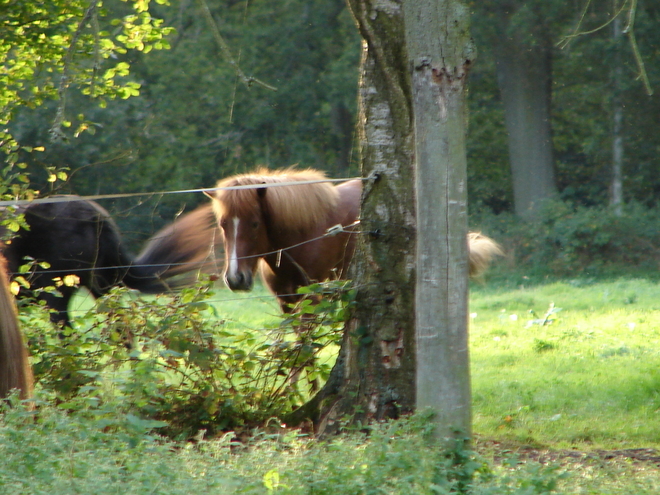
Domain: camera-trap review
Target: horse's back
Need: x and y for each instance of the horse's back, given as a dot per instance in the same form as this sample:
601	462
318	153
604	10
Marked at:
74	237
349	200
349	210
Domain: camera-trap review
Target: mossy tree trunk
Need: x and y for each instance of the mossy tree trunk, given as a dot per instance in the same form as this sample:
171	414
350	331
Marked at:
377	372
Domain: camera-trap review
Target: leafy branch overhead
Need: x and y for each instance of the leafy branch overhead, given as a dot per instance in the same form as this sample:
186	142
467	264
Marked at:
628	8
47	48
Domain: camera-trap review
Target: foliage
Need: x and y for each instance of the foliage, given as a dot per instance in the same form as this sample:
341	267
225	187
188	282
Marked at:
48	47
79	453
176	360
92	451
399	457
569	238
46	50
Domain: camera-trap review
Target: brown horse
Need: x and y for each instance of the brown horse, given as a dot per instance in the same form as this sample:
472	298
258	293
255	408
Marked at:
15	371
284	226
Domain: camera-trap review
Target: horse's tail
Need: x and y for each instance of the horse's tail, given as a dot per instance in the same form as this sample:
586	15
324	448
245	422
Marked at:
15	370
182	249
482	251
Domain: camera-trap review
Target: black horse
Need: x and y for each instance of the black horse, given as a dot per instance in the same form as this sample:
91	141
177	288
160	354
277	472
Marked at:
78	237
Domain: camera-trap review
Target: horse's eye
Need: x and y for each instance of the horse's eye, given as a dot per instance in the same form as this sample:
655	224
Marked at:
255	224
223	224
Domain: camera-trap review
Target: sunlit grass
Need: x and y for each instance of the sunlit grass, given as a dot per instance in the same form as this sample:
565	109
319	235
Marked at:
587	379
256	309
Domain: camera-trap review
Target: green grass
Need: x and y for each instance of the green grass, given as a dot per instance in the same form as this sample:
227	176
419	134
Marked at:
588	379
546	400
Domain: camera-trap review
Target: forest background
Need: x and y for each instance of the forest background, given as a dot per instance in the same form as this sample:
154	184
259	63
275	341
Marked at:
195	121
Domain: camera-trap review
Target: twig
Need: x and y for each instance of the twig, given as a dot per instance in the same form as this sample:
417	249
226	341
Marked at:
224	48
567	39
56	133
629	31
633	44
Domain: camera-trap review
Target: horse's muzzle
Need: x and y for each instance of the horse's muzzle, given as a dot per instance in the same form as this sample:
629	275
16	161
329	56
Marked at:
239	281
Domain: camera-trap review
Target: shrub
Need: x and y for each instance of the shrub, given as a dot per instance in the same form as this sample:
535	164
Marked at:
569	239
174	359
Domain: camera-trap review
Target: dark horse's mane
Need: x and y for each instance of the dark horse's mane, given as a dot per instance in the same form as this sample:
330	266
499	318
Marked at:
296	208
80	237
15	370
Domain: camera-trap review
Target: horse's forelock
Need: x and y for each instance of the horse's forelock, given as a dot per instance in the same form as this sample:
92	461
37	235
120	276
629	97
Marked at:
295	207
239	203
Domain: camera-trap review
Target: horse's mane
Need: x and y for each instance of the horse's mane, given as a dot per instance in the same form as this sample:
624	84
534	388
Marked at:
296	207
15	370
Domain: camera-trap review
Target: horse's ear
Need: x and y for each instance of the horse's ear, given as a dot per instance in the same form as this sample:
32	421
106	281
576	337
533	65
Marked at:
209	194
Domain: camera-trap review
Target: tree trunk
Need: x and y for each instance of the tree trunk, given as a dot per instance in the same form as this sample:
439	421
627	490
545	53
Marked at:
375	373
525	79
440	62
616	186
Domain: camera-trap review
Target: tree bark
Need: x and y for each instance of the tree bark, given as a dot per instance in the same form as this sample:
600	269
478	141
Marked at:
375	371
616	185
377	374
525	80
440	60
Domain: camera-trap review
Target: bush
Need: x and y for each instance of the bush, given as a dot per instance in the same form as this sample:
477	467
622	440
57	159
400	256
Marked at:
175	360
569	239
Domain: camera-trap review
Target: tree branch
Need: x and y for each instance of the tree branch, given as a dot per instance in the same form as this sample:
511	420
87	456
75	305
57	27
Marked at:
56	133
226	52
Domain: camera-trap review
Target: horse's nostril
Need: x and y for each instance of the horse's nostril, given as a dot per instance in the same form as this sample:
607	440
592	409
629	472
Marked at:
239	281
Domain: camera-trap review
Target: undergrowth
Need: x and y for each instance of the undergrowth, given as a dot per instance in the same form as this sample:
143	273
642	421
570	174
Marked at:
176	360
57	453
569	239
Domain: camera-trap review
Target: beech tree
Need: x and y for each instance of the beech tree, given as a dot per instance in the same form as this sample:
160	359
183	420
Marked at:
523	53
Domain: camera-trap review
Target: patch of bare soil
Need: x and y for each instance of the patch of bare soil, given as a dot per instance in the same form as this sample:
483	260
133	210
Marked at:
499	451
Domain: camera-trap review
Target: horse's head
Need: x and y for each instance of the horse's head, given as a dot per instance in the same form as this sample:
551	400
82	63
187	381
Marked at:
245	236
260	219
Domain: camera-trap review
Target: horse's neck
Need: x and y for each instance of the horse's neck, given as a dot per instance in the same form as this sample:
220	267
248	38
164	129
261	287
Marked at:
282	243
283	236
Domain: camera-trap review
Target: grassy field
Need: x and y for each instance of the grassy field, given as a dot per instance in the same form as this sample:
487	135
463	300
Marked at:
566	399
567	364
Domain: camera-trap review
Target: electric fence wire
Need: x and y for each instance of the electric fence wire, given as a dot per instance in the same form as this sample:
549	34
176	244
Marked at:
68	198
331	231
